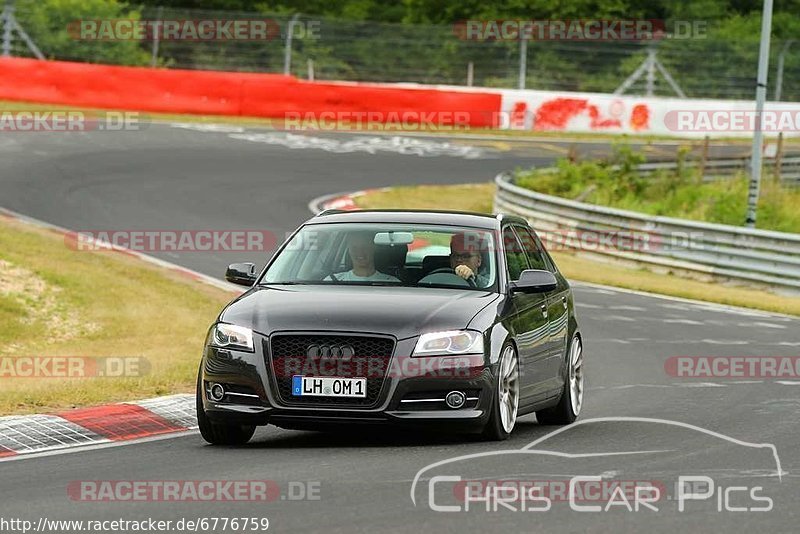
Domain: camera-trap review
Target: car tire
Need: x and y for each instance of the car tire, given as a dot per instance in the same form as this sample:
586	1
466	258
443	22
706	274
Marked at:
569	405
505	400
217	433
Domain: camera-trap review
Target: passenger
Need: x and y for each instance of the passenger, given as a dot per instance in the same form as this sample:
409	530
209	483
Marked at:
361	248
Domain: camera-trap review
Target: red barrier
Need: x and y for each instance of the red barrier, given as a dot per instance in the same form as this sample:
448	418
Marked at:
225	93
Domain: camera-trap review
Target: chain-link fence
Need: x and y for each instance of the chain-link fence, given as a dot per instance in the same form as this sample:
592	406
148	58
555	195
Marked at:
328	49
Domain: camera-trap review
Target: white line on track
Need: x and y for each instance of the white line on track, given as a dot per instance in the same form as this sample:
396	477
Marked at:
767	325
683	321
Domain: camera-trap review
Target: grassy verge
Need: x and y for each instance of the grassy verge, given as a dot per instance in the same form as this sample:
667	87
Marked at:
57	302
479	197
681	194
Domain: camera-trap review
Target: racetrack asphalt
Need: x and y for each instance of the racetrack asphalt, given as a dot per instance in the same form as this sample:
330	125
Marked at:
177	178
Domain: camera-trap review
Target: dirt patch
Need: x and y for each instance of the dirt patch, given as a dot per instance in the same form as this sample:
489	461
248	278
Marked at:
42	306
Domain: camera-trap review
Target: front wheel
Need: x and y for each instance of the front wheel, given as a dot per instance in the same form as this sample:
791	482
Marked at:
505	403
217	433
569	406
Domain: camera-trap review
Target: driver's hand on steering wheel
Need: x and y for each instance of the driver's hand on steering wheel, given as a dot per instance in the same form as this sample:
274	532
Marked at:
464	272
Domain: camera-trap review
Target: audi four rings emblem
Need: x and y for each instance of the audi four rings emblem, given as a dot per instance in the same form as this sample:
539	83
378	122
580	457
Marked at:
330	352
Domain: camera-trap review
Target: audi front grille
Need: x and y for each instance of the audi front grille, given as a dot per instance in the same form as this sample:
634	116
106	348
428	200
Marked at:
346	356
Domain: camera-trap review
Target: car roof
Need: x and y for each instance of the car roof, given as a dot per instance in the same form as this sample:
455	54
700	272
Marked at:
454	218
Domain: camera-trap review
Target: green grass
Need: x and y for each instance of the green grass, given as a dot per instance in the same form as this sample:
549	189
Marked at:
468	197
55	301
479	198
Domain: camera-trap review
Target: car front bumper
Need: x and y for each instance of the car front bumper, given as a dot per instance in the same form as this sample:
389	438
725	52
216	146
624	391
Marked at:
413	398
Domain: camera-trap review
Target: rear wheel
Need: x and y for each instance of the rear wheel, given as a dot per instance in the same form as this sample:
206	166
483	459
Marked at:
218	433
569	406
505	403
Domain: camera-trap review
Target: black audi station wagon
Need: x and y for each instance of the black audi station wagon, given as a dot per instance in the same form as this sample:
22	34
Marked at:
460	322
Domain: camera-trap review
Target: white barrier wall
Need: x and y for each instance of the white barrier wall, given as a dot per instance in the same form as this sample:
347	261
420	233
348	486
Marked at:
595	112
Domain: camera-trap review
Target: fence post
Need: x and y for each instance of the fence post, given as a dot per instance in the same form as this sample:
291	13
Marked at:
310	65
779	79
287	53
8	11
761	95
157	35
523	62
651	71
470	72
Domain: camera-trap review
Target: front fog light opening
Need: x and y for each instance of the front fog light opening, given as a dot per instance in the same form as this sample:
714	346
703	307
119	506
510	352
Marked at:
455	399
216	392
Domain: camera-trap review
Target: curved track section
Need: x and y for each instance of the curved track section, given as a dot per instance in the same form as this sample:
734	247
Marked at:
170	177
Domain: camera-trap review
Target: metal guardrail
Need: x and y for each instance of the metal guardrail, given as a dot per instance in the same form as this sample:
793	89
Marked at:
715	250
712	169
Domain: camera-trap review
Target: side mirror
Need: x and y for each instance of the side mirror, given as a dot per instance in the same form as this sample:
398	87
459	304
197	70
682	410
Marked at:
534	281
243	274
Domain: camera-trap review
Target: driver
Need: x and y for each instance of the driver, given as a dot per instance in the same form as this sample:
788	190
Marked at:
361	248
466	257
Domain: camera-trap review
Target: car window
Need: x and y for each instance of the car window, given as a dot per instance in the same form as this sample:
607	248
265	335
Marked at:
532	249
418	255
515	255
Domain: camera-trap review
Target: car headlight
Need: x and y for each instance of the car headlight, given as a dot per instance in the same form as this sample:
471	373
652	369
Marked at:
449	343
230	336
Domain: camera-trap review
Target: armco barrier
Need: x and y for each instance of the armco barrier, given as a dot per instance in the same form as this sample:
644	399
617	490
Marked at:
718	250
229	93
275	95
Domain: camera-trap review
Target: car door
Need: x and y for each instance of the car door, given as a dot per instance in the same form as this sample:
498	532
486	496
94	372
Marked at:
557	307
528	323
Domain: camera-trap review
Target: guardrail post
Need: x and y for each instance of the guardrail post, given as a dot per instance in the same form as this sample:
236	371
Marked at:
779	158
572	154
470	73
704	158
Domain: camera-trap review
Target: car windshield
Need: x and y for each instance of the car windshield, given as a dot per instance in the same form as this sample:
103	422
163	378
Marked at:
375	254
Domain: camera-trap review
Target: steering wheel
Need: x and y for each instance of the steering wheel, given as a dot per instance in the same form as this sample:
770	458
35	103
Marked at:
449	270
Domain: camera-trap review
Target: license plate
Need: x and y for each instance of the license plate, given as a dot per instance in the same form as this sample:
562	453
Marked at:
328	386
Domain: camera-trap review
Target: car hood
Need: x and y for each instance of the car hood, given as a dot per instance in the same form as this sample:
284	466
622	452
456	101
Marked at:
400	311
